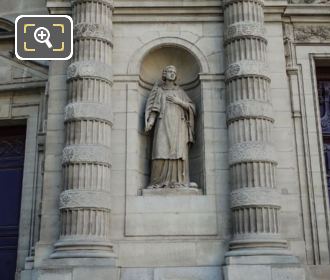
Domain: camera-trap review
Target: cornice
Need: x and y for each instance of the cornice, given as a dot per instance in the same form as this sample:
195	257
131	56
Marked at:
59	7
200	11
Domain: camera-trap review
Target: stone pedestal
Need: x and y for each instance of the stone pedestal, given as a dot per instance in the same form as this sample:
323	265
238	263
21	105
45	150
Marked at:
256	246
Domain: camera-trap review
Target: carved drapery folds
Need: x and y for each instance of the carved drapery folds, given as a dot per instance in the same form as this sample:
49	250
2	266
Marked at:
85	200
252	158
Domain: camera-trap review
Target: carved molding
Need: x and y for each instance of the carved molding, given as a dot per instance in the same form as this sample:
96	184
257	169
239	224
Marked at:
228	2
89	68
94	111
248	109
84	199
104	2
58	7
92	30
241	29
251	151
310	1
246	67
254	196
310	33
86	153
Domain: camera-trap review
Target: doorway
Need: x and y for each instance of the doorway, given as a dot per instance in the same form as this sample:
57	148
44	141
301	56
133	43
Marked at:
323	85
12	147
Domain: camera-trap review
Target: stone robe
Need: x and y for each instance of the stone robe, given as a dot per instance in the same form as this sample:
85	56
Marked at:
174	131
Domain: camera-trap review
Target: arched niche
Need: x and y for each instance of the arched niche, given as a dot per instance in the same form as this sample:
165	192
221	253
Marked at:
188	70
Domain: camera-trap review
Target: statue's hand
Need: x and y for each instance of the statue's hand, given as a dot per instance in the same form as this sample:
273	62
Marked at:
148	126
150	122
174	99
178	101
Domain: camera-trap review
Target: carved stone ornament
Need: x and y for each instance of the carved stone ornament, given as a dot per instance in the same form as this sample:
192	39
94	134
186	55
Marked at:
86	154
309	33
248	109
92	30
82	199
251	151
241	29
89	68
95	111
255	196
246	67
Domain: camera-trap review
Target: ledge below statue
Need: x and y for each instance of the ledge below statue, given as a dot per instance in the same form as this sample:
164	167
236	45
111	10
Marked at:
171	191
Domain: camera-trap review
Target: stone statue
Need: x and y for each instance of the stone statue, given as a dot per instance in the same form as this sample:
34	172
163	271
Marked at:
171	112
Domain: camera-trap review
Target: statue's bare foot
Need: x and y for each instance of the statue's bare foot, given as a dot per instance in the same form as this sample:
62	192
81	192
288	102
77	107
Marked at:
193	185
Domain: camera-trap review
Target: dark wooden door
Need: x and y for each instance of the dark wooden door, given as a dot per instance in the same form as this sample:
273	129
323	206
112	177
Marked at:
324	100
12	143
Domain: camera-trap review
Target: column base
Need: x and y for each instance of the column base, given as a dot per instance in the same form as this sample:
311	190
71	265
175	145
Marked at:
82	249
260	256
264	272
262	264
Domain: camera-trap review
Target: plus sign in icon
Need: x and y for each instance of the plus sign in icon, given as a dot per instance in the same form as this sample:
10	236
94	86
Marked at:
43	37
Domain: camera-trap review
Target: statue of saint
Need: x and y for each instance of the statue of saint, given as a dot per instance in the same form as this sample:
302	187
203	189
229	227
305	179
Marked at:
171	112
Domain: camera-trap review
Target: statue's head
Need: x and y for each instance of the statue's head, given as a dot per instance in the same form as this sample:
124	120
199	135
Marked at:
169	73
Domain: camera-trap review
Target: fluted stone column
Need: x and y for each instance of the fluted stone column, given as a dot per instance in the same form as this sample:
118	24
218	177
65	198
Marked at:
252	158
85	200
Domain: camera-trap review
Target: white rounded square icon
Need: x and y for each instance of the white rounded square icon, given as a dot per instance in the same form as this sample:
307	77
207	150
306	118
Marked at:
43	37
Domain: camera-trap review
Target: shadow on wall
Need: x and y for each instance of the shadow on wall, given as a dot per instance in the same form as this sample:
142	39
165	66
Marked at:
188	70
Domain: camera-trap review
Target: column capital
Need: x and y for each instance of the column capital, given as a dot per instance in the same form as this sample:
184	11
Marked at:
228	2
108	3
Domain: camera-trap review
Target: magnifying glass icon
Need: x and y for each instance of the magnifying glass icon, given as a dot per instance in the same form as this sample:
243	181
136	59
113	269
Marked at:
41	35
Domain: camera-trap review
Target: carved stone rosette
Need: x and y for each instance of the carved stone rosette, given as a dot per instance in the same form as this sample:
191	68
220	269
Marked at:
85	200
254	198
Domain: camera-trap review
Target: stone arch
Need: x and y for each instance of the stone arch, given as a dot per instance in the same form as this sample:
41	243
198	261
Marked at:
139	56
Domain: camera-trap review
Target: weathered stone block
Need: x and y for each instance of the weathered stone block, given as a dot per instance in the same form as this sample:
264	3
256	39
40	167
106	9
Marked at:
156	254
253	272
288	273
191	273
97	273
136	274
171	224
55	274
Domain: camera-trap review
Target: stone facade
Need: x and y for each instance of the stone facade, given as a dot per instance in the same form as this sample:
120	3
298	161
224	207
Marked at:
262	208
